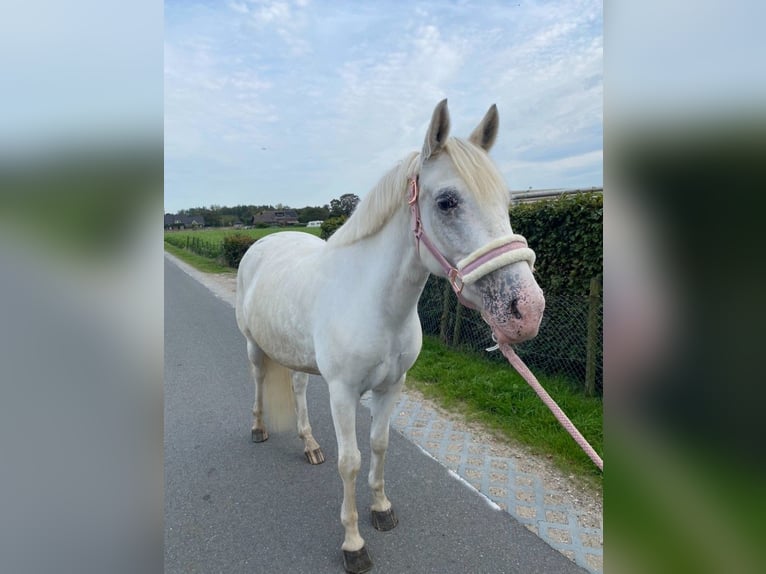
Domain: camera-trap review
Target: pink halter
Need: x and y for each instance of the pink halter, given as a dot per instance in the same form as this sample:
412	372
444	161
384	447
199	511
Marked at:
490	257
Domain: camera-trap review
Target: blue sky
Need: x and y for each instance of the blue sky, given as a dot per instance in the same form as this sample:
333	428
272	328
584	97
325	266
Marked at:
297	101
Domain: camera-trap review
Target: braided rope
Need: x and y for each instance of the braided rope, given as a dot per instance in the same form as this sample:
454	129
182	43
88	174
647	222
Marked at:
527	375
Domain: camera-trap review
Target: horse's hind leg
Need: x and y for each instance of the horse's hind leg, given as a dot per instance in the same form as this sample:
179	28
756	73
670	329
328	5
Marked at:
254	353
312	449
383	403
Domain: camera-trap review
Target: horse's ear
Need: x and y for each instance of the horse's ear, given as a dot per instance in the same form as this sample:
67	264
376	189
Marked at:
485	133
438	131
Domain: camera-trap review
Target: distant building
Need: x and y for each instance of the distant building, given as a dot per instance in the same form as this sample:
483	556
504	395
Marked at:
184	221
314	224
530	195
281	218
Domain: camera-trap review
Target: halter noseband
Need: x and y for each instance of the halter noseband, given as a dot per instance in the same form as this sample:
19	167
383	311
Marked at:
486	259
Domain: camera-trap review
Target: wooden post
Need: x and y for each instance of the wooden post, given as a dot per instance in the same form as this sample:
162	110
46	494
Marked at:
458	323
446	304
592	342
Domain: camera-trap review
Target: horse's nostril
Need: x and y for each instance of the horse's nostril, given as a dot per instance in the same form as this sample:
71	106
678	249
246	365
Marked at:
515	308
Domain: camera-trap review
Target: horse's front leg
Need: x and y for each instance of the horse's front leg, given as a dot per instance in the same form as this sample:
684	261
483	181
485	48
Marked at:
383	403
343	405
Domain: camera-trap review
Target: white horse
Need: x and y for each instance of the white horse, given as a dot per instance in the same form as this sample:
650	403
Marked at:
346	309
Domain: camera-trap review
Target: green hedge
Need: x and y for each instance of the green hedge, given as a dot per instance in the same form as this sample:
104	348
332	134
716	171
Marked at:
567	236
234	248
330	226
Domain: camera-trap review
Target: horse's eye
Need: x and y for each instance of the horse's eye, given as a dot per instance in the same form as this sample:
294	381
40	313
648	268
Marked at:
446	201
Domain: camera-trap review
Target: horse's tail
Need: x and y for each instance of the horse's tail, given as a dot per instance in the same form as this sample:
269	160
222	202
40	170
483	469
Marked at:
278	397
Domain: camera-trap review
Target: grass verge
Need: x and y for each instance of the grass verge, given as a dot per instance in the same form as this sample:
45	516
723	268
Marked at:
497	396
216	235
197	261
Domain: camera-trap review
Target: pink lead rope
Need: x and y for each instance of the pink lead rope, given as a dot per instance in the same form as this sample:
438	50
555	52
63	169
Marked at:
528	376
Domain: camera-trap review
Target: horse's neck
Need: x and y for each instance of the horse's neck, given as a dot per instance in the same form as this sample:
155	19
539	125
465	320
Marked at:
394	266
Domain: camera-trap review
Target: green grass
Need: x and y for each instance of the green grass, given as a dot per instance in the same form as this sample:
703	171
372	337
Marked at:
216	235
197	261
496	396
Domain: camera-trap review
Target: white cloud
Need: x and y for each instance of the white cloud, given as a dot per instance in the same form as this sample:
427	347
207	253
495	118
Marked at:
563	172
336	94
273	12
286	19
240	7
207	102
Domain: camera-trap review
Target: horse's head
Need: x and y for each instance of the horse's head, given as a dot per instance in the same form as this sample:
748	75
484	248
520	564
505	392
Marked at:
460	212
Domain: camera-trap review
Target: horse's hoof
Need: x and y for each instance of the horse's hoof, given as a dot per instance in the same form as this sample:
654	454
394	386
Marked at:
384	520
357	561
259	435
315	456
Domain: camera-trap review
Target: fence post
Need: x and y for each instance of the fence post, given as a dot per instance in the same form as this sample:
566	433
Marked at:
592	342
458	324
446	304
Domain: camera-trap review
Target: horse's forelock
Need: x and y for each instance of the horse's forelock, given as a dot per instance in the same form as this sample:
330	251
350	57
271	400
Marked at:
475	167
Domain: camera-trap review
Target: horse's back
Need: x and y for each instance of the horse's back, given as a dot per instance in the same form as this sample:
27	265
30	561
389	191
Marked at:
283	249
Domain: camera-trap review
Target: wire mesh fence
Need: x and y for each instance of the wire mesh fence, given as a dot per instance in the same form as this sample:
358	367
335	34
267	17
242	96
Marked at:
569	343
198	245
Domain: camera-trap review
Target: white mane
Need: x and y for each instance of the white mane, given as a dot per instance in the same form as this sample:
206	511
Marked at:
379	205
471	163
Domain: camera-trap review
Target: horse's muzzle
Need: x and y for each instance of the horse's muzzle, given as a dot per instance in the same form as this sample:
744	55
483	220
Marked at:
512	308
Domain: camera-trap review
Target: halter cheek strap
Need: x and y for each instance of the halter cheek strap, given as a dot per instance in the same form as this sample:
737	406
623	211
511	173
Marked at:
488	258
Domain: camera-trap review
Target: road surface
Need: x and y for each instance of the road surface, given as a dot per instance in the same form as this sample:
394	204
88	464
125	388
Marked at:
233	506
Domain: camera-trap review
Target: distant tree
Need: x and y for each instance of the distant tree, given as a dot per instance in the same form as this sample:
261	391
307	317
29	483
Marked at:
218	215
211	216
229	220
316	213
344	205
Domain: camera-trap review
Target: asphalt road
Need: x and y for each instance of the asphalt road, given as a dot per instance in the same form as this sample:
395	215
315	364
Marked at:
234	506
